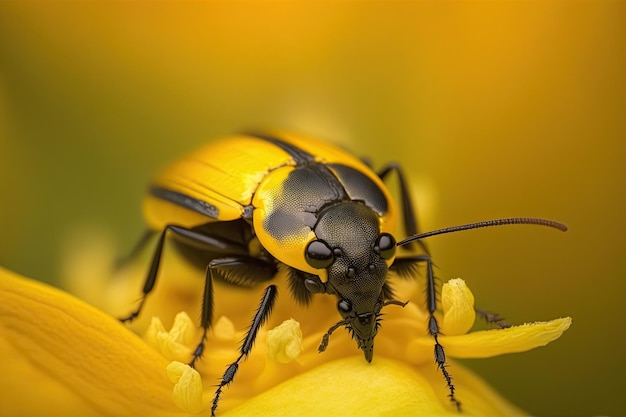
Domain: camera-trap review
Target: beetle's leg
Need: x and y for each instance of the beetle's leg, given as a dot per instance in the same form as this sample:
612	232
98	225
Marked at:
409	216
243	271
238	270
493	318
206	317
433	326
260	317
191	237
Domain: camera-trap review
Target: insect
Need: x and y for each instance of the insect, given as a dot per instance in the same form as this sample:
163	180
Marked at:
249	203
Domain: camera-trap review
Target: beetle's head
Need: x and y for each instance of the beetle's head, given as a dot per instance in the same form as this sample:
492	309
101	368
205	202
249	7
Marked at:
356	257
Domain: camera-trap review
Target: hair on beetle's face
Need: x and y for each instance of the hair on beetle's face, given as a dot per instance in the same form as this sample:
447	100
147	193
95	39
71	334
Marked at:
355	254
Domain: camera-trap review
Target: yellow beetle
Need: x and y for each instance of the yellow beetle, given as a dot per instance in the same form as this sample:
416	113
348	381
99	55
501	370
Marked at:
250	202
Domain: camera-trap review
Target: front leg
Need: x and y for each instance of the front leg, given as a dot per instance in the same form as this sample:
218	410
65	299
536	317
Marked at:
405	267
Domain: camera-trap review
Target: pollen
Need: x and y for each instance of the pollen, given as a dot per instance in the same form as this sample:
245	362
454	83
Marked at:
457	302
174	344
284	342
224	329
187	392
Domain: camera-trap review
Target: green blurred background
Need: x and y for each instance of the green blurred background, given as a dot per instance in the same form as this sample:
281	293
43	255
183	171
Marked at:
496	109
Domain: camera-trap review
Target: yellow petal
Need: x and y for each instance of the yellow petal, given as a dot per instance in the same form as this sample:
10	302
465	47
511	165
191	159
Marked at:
96	364
26	390
284	342
457	302
187	392
352	387
488	343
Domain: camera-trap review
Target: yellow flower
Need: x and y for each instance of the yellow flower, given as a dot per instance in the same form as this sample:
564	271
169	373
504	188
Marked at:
62	357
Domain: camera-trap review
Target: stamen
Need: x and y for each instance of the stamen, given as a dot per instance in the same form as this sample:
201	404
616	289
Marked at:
457	303
173	344
284	342
187	391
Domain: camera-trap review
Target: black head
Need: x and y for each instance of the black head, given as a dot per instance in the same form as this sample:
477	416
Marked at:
356	257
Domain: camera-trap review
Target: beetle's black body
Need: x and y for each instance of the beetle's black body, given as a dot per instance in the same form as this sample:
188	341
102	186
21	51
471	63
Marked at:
246	204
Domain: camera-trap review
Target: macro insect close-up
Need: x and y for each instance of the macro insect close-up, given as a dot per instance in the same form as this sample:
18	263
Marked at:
312	208
247	205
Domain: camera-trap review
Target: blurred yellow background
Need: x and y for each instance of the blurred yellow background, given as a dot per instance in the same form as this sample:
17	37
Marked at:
495	109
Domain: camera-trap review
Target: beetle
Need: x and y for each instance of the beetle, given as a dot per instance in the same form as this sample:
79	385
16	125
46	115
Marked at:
250	203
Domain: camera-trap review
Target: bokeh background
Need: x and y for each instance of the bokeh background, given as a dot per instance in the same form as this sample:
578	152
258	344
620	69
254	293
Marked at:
495	109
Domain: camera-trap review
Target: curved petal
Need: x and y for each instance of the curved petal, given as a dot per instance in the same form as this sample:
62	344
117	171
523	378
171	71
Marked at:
61	357
488	343
385	387
70	349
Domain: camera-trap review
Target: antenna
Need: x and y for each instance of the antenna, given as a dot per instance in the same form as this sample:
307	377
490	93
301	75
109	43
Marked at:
488	223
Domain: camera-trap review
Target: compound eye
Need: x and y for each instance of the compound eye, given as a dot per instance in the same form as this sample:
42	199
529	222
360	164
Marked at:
318	254
344	306
385	246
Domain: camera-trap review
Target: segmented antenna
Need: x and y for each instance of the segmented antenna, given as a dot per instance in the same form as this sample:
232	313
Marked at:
487	223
